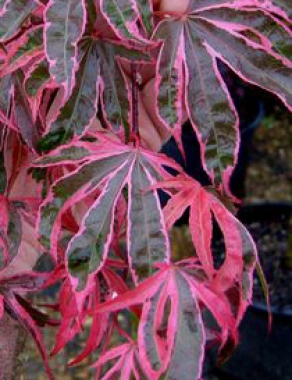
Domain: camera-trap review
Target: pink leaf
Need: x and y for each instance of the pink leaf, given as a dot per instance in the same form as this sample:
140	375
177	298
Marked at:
64	26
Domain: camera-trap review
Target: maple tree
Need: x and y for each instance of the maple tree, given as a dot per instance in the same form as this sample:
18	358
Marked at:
89	91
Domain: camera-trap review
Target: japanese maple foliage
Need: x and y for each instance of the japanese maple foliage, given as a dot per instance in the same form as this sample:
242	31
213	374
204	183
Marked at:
80	180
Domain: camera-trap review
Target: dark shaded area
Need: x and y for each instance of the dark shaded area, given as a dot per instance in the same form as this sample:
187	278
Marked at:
261	355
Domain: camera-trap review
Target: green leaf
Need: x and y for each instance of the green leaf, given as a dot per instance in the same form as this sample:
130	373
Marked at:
37	78
65	23
188	350
147	240
33	44
80	182
23	115
146	11
91	244
122	17
81	108
258	52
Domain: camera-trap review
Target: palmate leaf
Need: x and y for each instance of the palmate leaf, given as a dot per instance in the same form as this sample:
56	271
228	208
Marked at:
246	39
12	16
171	334
236	272
114	166
64	27
99	77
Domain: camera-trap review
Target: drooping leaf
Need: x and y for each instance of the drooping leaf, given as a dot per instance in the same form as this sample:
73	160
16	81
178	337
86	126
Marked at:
240	256
171	316
64	26
243	38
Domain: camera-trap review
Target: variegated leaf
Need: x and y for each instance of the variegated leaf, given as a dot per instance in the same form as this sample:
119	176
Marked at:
122	16
240	255
147	243
88	249
81	108
135	168
145	11
14	14
99	76
255	44
171	316
23	115
28	48
37	78
64	26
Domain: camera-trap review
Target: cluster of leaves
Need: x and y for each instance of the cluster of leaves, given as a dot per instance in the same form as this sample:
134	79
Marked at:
89	196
